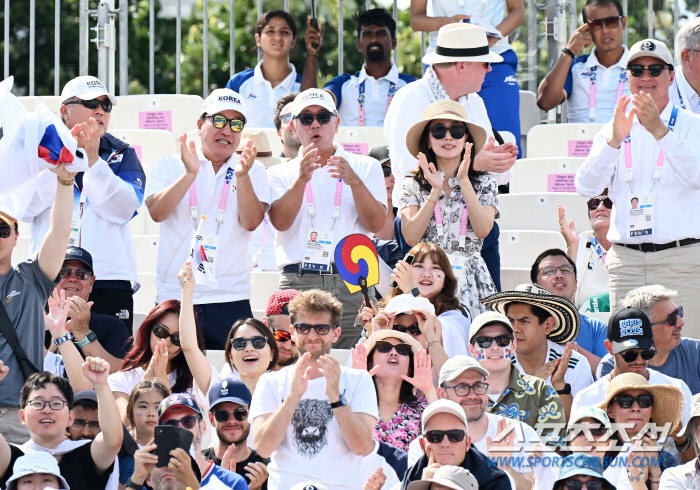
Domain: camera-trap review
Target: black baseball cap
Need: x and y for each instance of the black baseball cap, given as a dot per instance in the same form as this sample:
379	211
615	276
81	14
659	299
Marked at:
85	397
630	328
81	255
381	154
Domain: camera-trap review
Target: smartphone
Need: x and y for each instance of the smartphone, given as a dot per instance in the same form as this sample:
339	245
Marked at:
409	260
314	21
168	438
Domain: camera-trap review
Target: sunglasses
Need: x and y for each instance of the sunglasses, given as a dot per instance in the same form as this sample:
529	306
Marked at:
578	485
385	347
672	318
321	117
80	274
80	425
188	422
595	202
632	354
220	122
457	132
5	231
258	342
281	336
412	329
161	332
93	104
610	22
638	70
385	168
305	328
435	436
286	118
463	390
550	270
501	341
626	401
239	414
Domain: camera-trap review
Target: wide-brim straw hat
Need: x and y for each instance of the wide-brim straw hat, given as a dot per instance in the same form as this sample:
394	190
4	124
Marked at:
391	334
668	399
262	145
687	429
444	109
567	322
461	42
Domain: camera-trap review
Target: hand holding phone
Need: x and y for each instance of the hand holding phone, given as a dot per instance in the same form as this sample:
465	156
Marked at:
168	438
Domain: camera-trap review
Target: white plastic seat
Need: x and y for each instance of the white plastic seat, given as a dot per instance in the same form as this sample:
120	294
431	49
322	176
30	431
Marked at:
538	211
145	297
150	144
360	139
175	113
513	276
216	358
519	248
263	284
544	174
53	102
530	115
561	140
342	355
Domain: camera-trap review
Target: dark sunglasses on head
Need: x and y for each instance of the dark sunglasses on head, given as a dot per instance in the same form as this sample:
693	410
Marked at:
305	328
595	202
81	274
672	318
402	348
632	354
161	332
188	422
220	122
457	132
436	436
239	414
321	117
626	401
610	22
281	335
5	231
92	104
501	341
387	170
578	485
654	70
413	329
258	342
286	118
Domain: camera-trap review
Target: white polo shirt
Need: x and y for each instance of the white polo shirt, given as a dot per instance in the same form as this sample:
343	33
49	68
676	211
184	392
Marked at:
290	244
260	98
607	80
234	263
346	88
682	94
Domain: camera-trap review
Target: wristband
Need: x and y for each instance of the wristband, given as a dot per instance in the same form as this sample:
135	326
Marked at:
684	447
430	343
133	485
639	478
654	480
65	182
65	338
569	52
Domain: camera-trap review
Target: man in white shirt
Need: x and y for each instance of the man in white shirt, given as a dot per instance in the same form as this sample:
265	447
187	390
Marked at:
458	66
651	154
328	192
686	85
315	419
232	192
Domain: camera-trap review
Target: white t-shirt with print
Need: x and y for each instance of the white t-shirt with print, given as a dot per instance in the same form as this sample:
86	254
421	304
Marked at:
313	449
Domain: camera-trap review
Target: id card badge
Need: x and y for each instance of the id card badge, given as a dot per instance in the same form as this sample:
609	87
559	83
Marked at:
458	263
211	248
318	251
641	215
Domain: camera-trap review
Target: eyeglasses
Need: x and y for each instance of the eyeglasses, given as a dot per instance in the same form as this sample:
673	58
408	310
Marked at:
550	270
80	274
402	348
239	414
632	354
5	231
463	390
286	118
501	341
638	70
258	342
281	336
321	117
595	202
188	422
93	104
220	122
610	22
55	404
457	132
578	485
413	329
161	332
80	425
672	318
626	401
385	168
305	328
435	436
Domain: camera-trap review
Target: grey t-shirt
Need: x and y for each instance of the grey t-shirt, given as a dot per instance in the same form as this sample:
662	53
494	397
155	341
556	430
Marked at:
24	291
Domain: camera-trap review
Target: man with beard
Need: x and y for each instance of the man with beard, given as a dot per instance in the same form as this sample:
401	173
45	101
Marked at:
315	419
368	93
229	401
277	318
282	119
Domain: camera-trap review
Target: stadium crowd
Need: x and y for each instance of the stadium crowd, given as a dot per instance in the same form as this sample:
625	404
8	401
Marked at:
450	383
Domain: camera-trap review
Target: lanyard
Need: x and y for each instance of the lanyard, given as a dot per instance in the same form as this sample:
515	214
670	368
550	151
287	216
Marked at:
336	202
598	249
592	91
462	223
361	101
222	203
680	97
659	162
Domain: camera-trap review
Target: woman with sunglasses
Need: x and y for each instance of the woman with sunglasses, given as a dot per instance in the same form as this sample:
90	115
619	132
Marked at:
251	351
399	367
446	201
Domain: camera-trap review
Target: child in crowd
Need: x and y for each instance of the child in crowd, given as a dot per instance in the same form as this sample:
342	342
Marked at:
142	410
35	471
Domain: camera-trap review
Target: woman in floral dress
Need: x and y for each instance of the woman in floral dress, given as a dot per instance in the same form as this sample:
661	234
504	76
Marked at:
446	201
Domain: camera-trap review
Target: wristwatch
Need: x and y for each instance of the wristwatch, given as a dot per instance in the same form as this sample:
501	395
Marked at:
415	292
65	338
340	403
565	391
638	478
88	339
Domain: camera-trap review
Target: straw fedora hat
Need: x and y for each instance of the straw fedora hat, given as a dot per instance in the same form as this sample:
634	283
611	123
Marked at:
567	322
461	42
262	144
668	399
444	109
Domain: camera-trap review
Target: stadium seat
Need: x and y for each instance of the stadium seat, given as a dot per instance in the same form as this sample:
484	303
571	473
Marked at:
150	144
342	355
262	285
53	102
146	253
530	115
519	248
544	175
538	211
513	276
21	250
507	136
175	113
216	358
145	297
360	139
561	140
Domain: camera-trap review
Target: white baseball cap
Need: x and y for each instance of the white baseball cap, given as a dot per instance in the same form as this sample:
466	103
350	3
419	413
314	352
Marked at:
35	462
224	99
313	96
443	406
403	303
86	88
650	47
456	365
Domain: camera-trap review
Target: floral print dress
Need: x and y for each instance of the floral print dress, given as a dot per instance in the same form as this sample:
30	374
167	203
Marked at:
475	281
403	427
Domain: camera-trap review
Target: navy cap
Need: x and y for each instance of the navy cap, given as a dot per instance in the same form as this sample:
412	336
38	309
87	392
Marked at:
85	395
630	328
178	400
81	255
229	390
